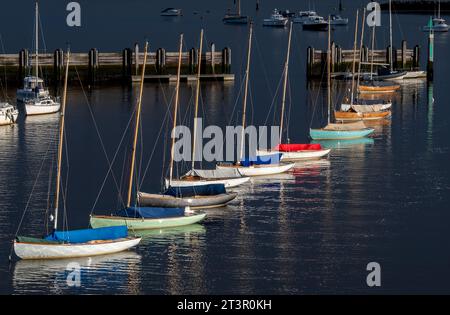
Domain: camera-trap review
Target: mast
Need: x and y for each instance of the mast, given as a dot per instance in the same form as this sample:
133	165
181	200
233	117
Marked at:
136	128
329	71
244	105
60	143
354	57
439	9
360	49
286	70
36	38
175	109
239	7
372	57
197	93
390	36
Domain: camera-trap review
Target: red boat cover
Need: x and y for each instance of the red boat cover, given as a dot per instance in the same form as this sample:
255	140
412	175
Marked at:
298	147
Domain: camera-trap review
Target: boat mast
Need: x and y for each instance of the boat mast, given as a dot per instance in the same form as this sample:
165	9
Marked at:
286	70
390	36
197	93
175	110
244	105
329	71
439	9
239	7
60	143
372	57
360	50
354	57
36	38
136	128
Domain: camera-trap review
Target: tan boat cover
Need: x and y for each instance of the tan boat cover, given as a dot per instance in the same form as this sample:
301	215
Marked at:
215	174
343	127
366	108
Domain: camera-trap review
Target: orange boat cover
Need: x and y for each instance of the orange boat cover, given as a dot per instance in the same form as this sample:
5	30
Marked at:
298	147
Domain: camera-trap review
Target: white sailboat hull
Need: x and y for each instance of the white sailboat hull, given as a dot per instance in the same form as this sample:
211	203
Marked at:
297	155
261	170
41	109
228	182
61	251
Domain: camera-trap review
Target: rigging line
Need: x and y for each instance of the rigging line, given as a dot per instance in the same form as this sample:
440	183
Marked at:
5	89
110	164
31	194
237	100
317	99
66	185
266	77
155	145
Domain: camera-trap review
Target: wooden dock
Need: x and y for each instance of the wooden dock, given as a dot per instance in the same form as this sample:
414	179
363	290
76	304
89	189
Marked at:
341	60
97	67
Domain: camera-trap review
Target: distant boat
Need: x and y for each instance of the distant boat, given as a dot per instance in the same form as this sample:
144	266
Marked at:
287	13
377	87
8	114
303	16
236	18
171	12
336	19
316	23
276	20
437	24
76	243
34	94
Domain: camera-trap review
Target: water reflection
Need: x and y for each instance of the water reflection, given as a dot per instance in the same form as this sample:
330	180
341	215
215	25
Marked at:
118	272
339	144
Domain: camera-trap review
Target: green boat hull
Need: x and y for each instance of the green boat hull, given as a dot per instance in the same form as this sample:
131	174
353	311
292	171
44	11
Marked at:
145	224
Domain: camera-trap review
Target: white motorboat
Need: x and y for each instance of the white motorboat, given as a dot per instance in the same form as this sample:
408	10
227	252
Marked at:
8	114
316	23
171	12
336	19
32	87
276	20
304	16
437	25
41	106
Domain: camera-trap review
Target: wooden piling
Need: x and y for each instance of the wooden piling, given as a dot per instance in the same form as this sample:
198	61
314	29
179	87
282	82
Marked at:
430	63
58	64
213	61
126	64
416	57
93	66
23	64
136	59
404	47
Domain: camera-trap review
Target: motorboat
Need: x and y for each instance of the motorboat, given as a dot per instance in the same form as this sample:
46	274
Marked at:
276	20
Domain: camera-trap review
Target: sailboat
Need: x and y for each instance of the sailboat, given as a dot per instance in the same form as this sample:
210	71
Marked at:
8	114
228	178
75	243
376	86
338	131
358	110
389	74
259	165
437	24
141	217
34	94
293	152
235	18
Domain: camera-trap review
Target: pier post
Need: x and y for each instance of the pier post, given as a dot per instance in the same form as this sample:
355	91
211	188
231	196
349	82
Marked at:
126	64
404	47
388	54
416	57
136	59
430	70
227	60
23	64
160	60
193	53
213	52
333	55
93	66
366	54
309	62
58	62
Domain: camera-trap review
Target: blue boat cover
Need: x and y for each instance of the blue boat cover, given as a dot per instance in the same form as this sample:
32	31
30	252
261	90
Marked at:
84	236
192	191
262	160
151	212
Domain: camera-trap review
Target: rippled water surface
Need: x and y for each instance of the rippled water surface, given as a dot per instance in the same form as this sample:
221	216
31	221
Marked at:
314	230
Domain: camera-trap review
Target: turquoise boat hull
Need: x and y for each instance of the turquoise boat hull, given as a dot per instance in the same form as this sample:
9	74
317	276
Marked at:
322	134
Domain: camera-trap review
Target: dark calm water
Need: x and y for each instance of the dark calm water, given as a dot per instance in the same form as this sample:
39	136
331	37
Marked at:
310	231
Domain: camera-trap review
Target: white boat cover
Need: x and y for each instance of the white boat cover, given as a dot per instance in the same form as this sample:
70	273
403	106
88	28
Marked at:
215	174
344	127
369	108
